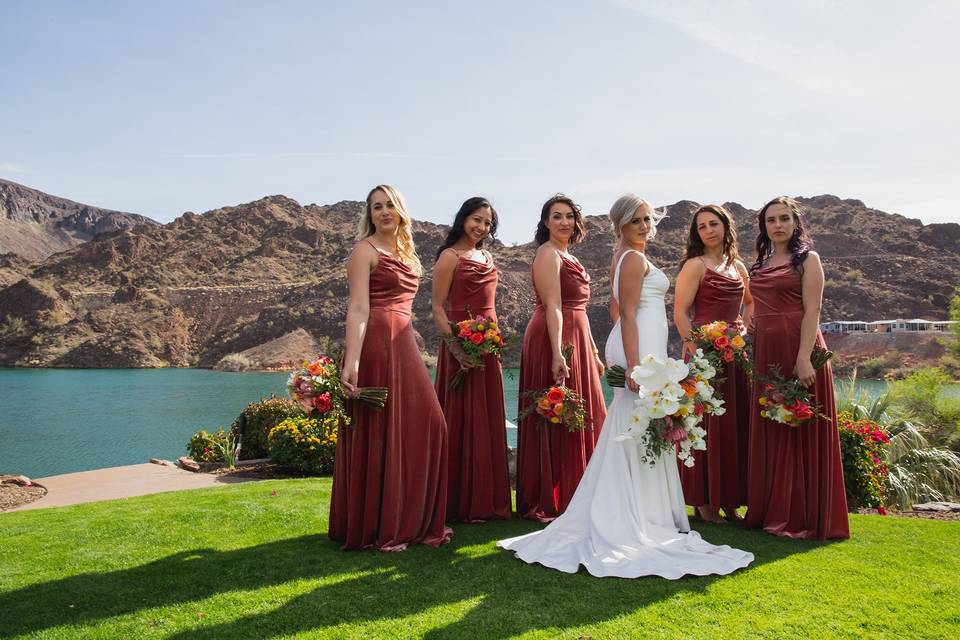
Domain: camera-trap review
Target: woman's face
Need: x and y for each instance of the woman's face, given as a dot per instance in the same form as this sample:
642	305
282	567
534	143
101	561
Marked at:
710	229
638	228
561	221
383	213
478	224
779	223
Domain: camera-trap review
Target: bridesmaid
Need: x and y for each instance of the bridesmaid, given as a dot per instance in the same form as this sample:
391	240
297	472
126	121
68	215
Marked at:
550	461
712	285
794	474
464	283
389	474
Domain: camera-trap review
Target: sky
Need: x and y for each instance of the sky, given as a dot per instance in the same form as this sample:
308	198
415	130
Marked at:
163	107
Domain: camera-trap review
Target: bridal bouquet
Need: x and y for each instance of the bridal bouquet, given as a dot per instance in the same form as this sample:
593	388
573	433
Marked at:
558	404
317	388
478	337
673	398
721	343
790	402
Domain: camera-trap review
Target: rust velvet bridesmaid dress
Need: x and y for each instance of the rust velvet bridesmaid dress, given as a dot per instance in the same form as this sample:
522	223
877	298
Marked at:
551	460
719	475
795	474
478	483
389	475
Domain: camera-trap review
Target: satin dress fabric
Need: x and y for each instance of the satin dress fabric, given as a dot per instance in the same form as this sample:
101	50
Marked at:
719	475
390	466
478	482
794	473
550	459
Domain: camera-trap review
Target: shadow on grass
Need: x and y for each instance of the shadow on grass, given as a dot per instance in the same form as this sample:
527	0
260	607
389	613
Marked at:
513	596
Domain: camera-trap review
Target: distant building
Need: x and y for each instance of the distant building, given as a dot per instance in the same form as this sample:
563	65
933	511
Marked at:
917	325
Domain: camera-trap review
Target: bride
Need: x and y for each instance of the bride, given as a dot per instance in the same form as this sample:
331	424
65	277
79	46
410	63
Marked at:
627	518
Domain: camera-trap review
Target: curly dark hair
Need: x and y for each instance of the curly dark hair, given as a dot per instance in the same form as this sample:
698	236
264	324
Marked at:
466	209
800	243
543	234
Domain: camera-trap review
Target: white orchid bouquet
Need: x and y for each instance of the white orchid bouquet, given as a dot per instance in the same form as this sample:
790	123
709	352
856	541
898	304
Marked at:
673	398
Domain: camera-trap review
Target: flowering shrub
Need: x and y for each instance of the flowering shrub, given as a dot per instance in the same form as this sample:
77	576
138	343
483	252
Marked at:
208	447
863	446
306	444
261	417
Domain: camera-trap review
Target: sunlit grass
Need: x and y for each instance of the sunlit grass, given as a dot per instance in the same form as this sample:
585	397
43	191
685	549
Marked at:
241	562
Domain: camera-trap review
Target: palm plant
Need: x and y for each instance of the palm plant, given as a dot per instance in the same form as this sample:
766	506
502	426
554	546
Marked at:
917	471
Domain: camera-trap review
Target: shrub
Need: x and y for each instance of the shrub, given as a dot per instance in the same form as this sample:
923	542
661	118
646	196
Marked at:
306	444
261	417
863	447
209	447
919	472
235	362
923	397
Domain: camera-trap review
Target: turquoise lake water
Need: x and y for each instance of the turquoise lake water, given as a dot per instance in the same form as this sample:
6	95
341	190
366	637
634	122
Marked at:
55	421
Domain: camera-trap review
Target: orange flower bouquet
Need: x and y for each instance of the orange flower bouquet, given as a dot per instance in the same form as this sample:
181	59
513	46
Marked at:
557	405
478	337
722	344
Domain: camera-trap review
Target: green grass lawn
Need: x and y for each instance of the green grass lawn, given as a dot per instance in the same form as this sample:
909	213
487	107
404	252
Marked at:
253	561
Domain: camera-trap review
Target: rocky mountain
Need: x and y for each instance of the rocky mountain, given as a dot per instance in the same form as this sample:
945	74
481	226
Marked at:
215	289
34	225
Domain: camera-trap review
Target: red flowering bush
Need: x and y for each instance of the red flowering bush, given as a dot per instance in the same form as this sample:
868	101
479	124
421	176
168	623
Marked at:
863	447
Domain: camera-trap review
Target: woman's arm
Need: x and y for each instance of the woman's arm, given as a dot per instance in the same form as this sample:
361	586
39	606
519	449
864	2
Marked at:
442	279
747	316
685	292
362	260
632	272
812	283
546	278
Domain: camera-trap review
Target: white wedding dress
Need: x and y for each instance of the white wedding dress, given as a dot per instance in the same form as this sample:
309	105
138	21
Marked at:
627	518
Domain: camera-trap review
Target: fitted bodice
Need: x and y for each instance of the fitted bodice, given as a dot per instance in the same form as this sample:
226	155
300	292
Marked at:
393	285
574	285
474	287
718	298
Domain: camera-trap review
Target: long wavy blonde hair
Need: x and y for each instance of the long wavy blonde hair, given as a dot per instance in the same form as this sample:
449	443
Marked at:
405	245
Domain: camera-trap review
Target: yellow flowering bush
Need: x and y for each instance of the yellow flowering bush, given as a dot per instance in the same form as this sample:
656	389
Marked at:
305	444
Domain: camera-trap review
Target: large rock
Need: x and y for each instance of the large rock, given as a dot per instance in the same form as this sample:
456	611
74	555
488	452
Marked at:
938	507
188	464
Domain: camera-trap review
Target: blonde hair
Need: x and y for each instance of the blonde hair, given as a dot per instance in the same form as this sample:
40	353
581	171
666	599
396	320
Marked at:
405	245
626	207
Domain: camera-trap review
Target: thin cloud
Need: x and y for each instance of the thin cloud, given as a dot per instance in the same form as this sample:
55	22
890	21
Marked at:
360	155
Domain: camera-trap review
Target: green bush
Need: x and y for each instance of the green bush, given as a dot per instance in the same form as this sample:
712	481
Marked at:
261	417
921	397
208	447
863	447
305	444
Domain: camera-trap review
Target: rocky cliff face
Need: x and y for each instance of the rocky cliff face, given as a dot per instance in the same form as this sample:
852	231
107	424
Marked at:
34	224
204	287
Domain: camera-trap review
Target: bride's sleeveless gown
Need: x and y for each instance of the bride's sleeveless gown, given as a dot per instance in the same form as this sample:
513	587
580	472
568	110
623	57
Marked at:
627	518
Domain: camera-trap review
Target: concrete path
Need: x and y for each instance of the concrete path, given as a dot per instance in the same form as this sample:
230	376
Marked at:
120	482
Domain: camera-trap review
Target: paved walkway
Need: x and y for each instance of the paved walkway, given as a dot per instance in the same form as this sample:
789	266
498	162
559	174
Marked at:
120	482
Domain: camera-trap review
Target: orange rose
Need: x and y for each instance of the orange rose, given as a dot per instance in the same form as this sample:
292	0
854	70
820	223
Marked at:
728	355
315	368
721	342
555	395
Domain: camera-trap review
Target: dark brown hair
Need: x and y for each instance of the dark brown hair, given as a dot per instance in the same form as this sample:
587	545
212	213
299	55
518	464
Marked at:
695	244
800	243
543	234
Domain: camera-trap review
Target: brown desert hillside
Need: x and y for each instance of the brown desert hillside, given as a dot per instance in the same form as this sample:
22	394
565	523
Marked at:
233	279
34	225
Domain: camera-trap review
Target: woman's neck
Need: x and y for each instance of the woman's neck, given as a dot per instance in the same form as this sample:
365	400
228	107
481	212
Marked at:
387	240
638	245
559	245
715	254
464	244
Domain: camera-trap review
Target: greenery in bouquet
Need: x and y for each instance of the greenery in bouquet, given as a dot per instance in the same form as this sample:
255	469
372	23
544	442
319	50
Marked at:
721	344
787	400
478	337
672	399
